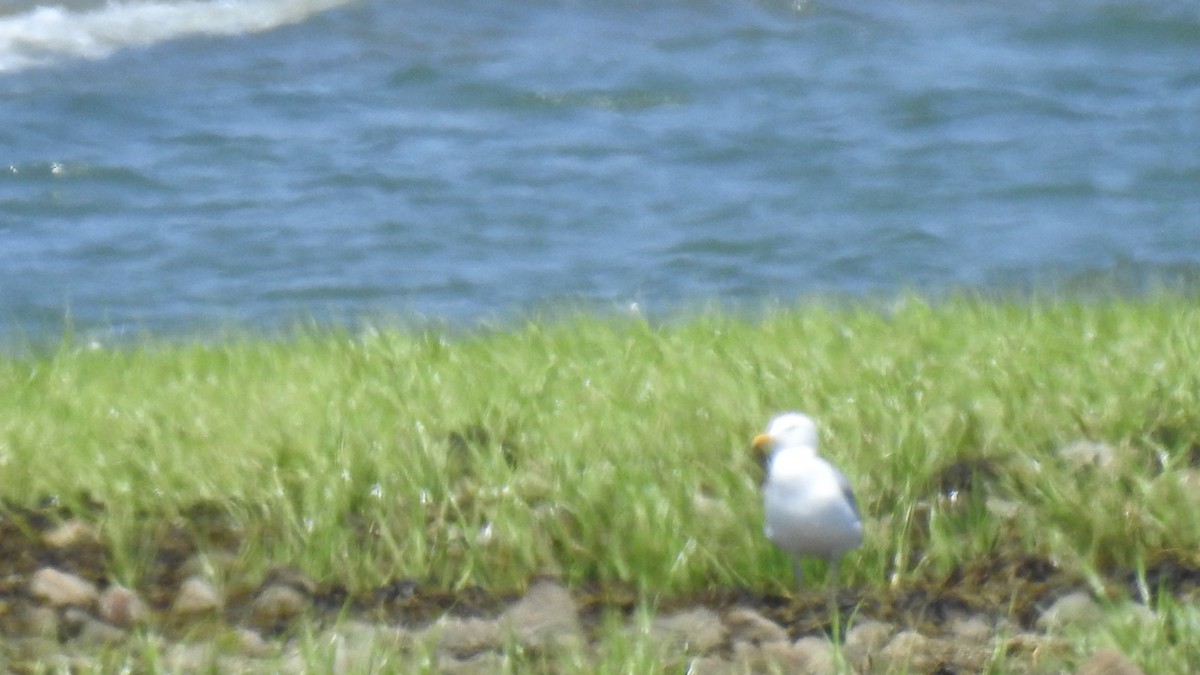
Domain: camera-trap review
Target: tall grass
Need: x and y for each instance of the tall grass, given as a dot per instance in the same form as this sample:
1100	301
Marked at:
616	450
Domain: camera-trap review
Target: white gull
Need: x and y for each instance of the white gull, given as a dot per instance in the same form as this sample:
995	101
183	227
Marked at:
810	508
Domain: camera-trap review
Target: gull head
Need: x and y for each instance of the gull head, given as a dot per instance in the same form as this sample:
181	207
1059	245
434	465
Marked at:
787	430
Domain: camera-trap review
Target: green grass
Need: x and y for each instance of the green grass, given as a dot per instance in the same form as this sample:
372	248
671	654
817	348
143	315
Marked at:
614	450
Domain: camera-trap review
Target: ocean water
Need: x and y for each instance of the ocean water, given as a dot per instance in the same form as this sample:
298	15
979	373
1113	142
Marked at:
171	166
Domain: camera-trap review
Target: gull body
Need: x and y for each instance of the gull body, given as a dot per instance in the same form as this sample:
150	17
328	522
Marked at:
809	505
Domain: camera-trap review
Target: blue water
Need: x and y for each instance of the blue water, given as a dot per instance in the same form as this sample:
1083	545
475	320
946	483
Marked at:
174	166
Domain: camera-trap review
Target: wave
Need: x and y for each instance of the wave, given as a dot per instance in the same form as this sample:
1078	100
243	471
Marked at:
46	34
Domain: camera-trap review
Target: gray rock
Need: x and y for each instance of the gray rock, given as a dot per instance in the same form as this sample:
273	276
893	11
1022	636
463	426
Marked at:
1036	646
864	640
1189	480
747	625
362	647
191	657
196	596
809	655
908	651
277	603
43	648
870	635
813	655
463	638
96	632
1084	453
696	631
59	589
122	607
1005	509
73	618
251	643
972	628
40	621
1073	609
545	617
73	532
385	637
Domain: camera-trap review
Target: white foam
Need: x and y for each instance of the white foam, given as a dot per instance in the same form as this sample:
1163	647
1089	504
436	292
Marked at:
47	34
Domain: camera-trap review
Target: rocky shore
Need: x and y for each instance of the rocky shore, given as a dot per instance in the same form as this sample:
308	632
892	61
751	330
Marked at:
60	609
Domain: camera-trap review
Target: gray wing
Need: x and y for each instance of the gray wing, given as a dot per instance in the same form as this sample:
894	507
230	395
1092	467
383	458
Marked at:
847	491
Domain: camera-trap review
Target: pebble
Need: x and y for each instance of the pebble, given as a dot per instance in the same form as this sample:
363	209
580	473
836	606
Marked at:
96	632
71	533
190	657
739	639
971	628
1139	613
459	637
1005	509
60	589
815	655
362	647
71	621
251	643
864	640
1189	480
40	621
908	651
870	635
747	625
196	596
710	508
808	655
122	607
1084	453
342	661
385	637
696	631
1073	609
277	603
546	616
47	650
1038	647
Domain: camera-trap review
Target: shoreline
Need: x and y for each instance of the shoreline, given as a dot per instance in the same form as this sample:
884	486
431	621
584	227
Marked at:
197	613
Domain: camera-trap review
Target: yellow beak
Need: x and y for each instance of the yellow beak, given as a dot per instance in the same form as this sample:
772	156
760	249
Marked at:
763	444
